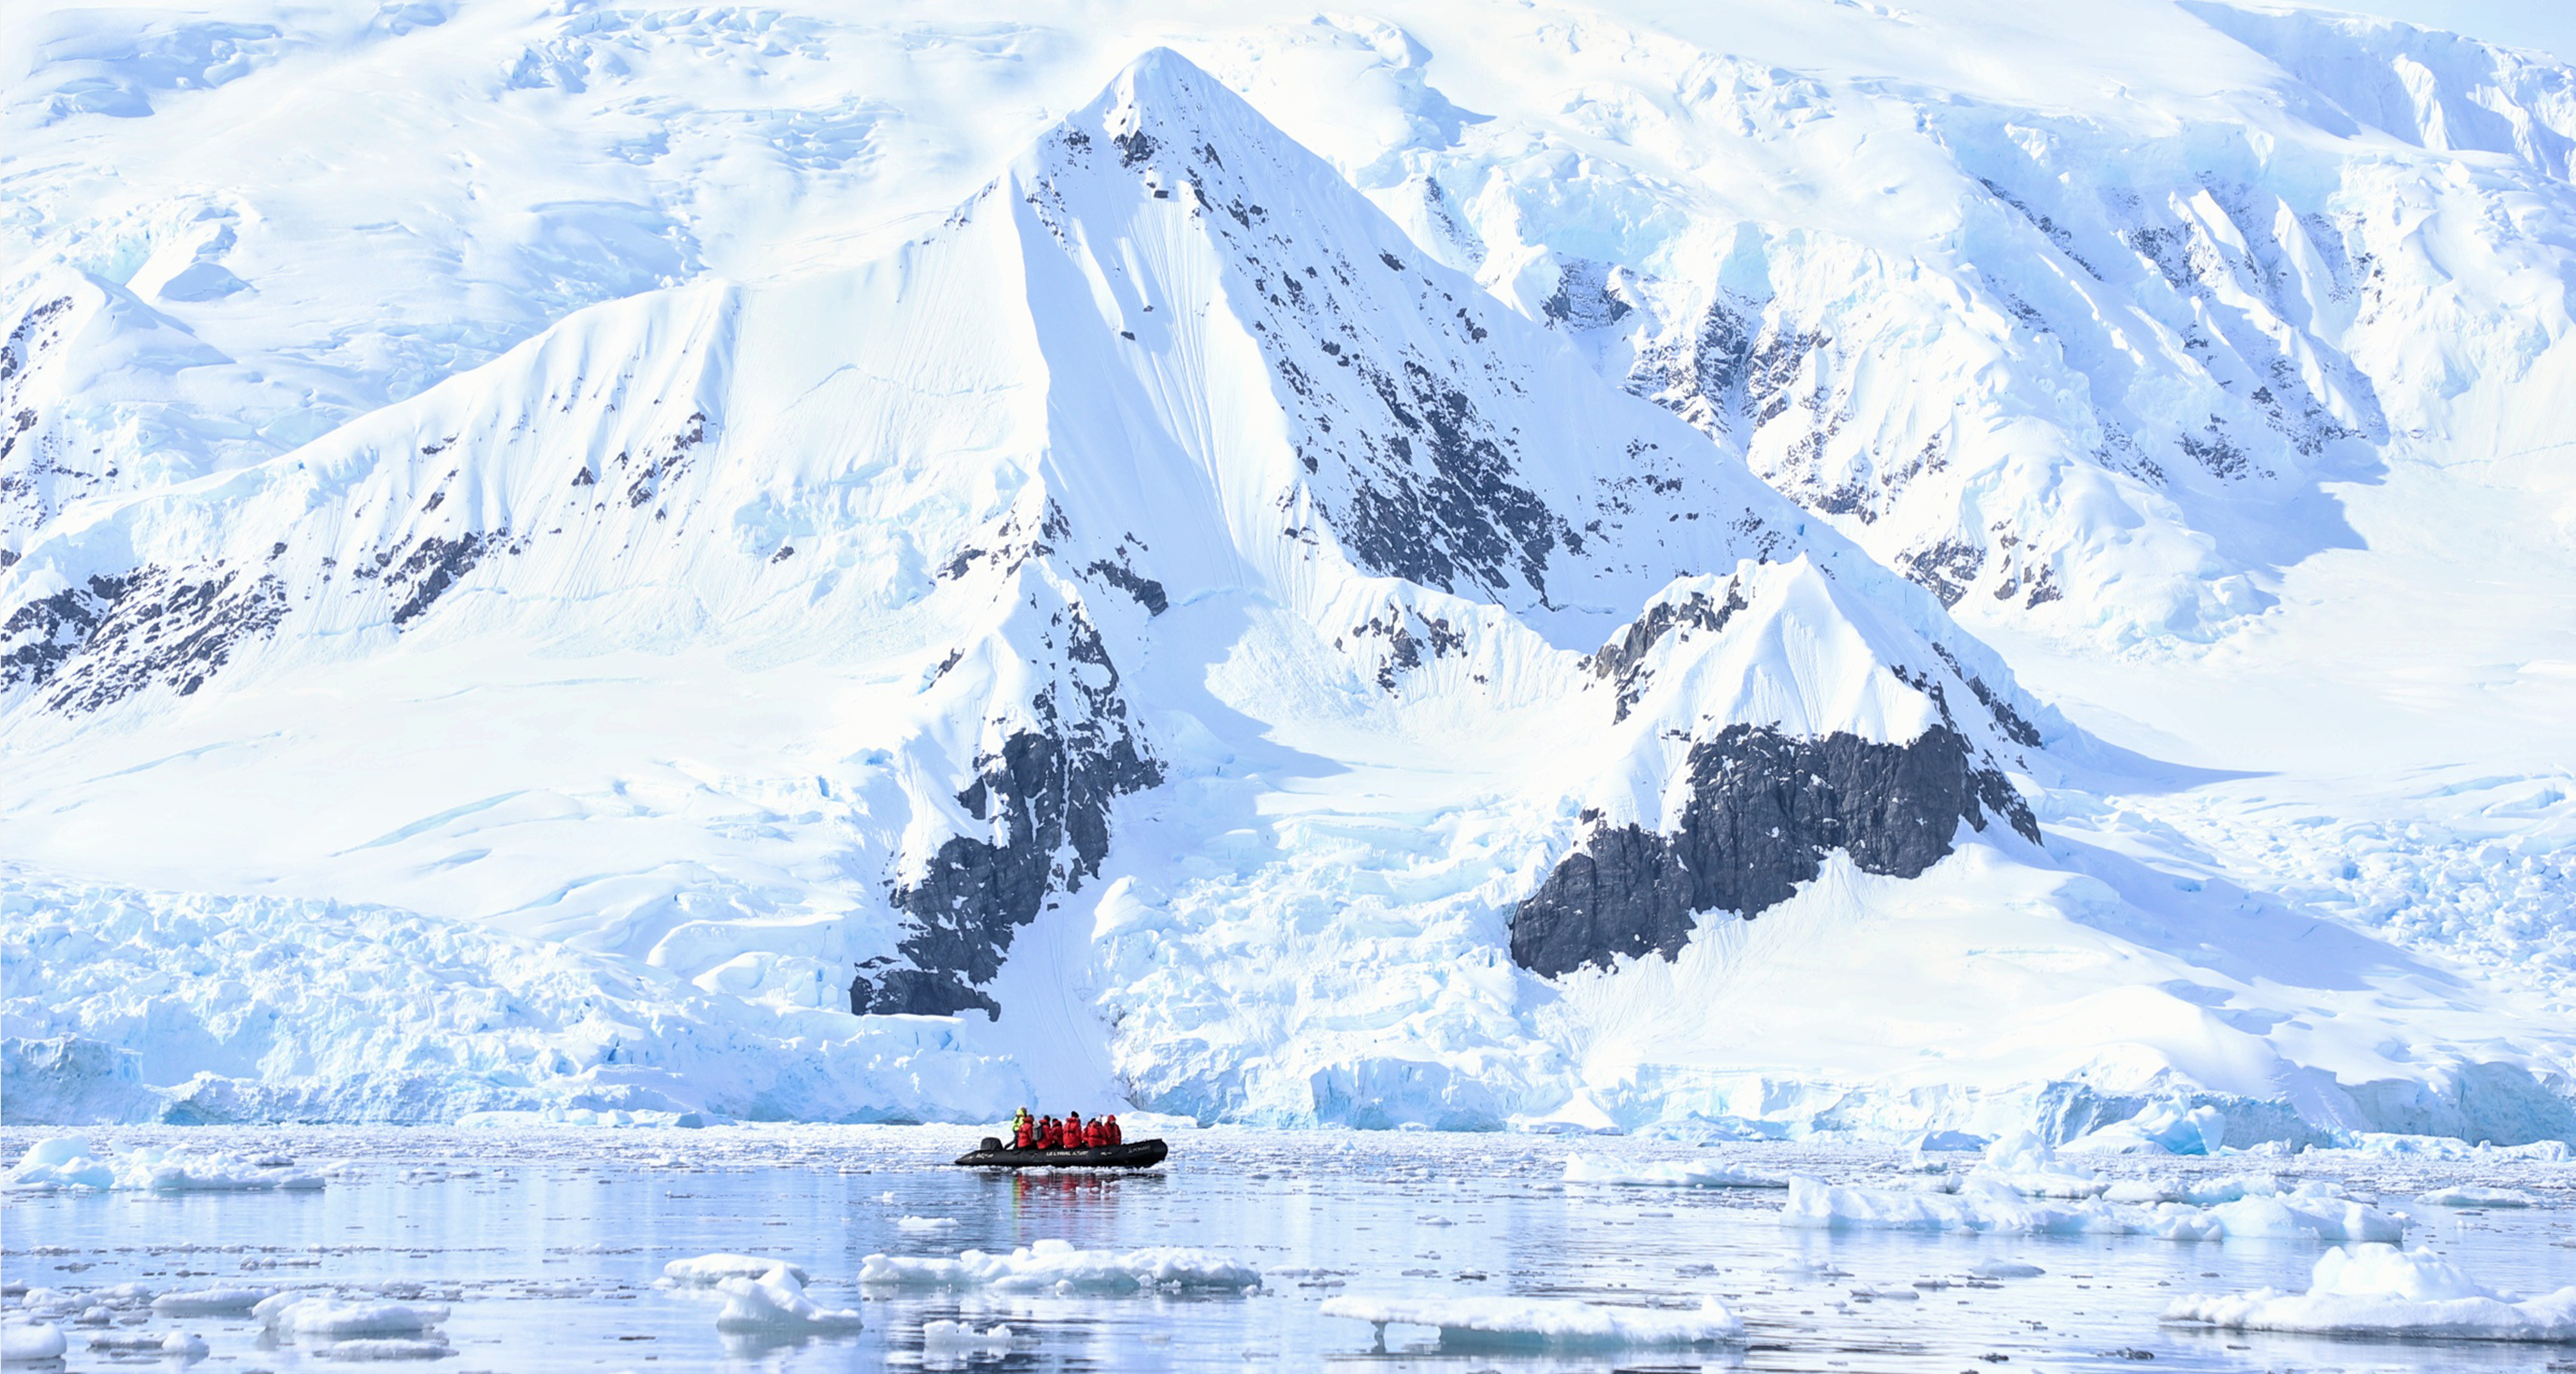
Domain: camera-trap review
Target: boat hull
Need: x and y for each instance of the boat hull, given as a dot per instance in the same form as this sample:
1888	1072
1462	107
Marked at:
1134	1154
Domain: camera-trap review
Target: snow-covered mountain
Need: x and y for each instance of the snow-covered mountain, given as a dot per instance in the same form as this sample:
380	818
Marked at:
1162	627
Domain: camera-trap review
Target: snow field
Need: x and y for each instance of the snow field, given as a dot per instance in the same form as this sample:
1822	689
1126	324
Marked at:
1476	1323
2382	1291
1057	1266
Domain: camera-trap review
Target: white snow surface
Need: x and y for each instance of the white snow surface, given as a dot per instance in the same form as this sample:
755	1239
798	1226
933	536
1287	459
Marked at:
1467	1323
2383	1291
1059	1266
619	537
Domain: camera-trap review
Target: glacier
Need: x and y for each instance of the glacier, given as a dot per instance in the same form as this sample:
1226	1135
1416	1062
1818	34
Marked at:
1714	573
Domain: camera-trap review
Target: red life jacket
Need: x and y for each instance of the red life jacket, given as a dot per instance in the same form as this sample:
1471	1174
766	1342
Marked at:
1020	1136
1092	1135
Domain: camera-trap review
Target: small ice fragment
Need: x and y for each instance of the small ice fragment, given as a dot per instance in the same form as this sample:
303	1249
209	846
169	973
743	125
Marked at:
210	1302
962	1336
1467	1323
1057	1265
2007	1269
26	1342
302	1314
925	1223
776	1301
2479	1197
1669	1174
429	1347
706	1271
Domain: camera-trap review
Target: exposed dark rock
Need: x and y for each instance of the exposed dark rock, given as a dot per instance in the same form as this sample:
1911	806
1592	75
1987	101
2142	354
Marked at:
433	566
1047	797
1586	296
1147	591
1624	662
1764	811
100	643
1946	569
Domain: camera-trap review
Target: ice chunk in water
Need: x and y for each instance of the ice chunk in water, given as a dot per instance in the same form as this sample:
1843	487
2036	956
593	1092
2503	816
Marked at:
208	1302
2380	1290
1670	1174
302	1314
73	1162
26	1342
1473	1322
925	1223
2479	1197
776	1301
706	1271
1057	1265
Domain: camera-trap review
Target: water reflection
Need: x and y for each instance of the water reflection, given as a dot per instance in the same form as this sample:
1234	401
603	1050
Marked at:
552	1245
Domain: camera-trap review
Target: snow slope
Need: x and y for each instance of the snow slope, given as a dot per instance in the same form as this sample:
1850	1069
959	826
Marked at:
1229	646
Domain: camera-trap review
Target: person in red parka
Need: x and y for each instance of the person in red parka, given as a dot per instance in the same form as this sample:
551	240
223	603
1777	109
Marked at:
1073	1130
1093	1137
1109	1129
1024	1132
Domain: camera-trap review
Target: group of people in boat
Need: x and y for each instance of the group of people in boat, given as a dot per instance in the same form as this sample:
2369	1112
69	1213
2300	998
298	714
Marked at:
1070	1133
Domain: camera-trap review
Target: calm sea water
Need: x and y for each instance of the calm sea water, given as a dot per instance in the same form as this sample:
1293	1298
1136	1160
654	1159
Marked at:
546	1244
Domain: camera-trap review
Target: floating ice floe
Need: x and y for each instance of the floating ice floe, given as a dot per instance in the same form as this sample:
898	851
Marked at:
429	1347
27	1342
961	1338
2479	1197
2007	1269
925	1223
1473	1322
706	1271
1056	1265
1991	1206
73	1162
135	1343
1670	1174
2380	1290
330	1319
2452	1147
776	1301
211	1302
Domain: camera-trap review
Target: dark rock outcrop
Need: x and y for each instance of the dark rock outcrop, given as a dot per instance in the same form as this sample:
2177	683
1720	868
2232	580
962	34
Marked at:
1764	811
1047	796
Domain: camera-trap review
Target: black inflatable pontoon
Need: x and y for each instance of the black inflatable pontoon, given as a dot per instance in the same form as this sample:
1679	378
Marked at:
1135	1154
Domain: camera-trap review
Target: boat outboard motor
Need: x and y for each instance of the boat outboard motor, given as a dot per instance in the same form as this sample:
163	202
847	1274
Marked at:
990	1143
